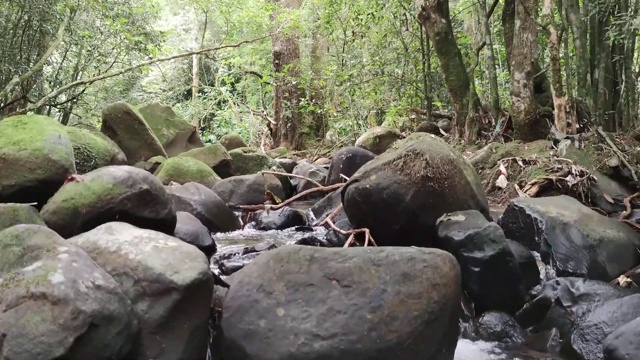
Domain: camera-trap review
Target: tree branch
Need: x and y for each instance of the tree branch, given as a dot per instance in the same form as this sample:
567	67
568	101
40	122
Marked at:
92	80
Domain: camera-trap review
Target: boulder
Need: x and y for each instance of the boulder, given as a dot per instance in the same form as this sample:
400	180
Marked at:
36	157
316	173
527	263
248	189
326	205
205	205
93	150
123	124
623	344
607	189
56	303
248	161
173	132
112	193
400	194
378	139
183	169
190	230
152	164
168	282
232	141
491	276
355	303
345	162
16	214
215	156
278	152
498	327
570	237
589	336
280	219
287	164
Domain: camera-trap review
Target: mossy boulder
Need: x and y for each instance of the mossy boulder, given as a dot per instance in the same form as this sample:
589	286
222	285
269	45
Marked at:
152	164
215	156
36	156
123	124
93	150
57	303
378	139
16	214
184	169
278	152
112	193
174	133
248	160
232	142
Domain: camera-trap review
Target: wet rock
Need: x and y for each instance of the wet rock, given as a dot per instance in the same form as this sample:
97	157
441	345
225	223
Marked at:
345	162
361	301
214	156
313	241
313	172
232	266
623	344
589	336
527	263
378	139
248	189
190	230
93	150
182	169
280	219
112	193
607	189
573	239
124	124
232	142
336	238
168	282
491	276
494	326
56	303
326	205
400	194
287	164
16	214
205	205
174	133
36	156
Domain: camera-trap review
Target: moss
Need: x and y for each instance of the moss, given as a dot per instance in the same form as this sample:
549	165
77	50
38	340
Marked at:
93	150
21	246
277	152
211	154
246	161
185	169
15	214
232	141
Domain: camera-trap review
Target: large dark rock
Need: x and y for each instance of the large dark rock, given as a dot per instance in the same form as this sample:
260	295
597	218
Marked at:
624	342
16	214
605	190
248	189
112	193
527	263
168	282
190	230
36	156
491	276
56	303
316	173
280	219
287	164
301	302
205	205
347	161
400	194
589	336
573	239
495	326
378	139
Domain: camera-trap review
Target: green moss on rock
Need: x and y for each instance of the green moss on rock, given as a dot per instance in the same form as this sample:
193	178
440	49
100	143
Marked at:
212	154
278	152
15	214
174	133
246	161
93	150
232	142
183	169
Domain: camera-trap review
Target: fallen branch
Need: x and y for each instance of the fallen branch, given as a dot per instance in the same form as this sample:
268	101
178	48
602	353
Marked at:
627	203
332	215
352	233
291	175
289	201
618	152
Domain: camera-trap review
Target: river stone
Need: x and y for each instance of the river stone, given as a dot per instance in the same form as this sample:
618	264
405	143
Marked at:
174	133
182	170
345	162
570	237
589	336
495	326
623	344
246	161
168	282
248	189
309	171
205	205
280	219
232	141
112	193
16	214
607	189
215	156
36	156
123	124
287	164
56	303
527	263
190	230
378	139
93	150
400	194
300	302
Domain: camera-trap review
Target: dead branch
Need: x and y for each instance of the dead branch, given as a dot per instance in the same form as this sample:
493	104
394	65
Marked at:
627	203
618	152
332	215
292	199
352	233
291	175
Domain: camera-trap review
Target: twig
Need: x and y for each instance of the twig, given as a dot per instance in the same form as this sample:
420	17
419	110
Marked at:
289	201
627	203
332	215
618	152
352	233
291	175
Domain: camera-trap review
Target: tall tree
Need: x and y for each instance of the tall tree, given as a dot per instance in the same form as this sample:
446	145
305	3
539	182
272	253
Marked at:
557	86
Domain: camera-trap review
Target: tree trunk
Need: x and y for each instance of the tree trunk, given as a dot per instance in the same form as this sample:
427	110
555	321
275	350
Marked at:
524	49
435	18
319	48
285	51
491	61
579	30
557	88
